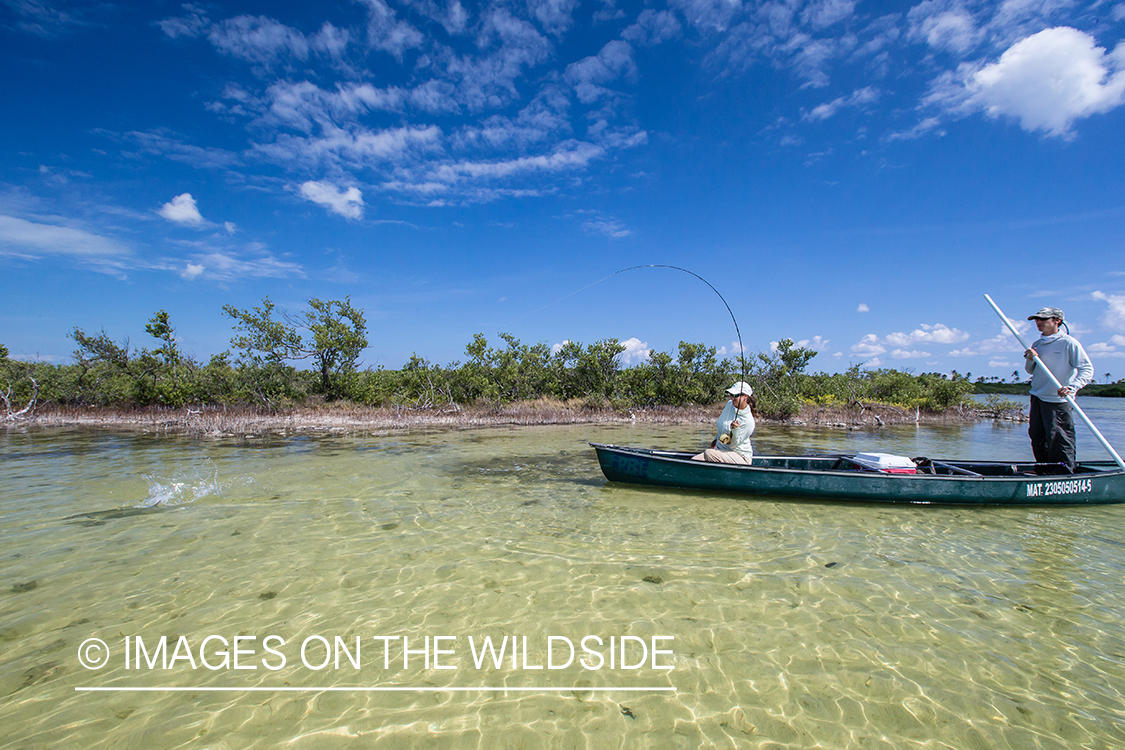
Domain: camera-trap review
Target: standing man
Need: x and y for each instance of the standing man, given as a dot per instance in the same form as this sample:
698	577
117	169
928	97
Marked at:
1052	424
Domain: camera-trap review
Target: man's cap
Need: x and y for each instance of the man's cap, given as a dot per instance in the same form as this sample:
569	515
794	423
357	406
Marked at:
1047	312
740	388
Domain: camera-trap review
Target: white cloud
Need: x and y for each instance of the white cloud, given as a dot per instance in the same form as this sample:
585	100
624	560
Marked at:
168	144
863	307
351	149
192	271
636	351
904	354
347	203
304	106
1114	316
816	343
193	25
28	239
613	61
937	334
556	348
1117	339
45	19
225	265
608	226
569	155
927	125
554	15
1046	81
182	210
824	13
951	29
258	39
868	346
386	33
652	27
859	98
709	15
735	350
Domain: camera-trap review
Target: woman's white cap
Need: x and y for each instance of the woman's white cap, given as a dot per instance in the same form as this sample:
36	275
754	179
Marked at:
739	388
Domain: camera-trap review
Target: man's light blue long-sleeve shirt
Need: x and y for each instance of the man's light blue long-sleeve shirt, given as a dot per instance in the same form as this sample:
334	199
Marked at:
1066	359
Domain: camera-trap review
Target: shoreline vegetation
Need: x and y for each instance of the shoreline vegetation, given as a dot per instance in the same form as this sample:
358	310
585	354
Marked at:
338	418
256	386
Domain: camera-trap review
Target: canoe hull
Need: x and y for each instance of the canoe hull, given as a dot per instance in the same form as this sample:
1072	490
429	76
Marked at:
813	477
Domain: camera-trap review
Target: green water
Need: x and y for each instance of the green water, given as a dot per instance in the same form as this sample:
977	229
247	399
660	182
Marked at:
787	624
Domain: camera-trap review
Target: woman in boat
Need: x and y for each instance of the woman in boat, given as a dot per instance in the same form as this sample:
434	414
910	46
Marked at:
733	429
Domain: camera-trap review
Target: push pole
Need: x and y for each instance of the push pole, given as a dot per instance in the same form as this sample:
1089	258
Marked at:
1051	375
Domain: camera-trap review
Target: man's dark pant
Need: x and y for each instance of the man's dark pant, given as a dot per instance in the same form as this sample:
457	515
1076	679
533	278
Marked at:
1052	435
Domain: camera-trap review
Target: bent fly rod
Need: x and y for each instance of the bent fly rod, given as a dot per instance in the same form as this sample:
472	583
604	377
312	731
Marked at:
738	333
1051	375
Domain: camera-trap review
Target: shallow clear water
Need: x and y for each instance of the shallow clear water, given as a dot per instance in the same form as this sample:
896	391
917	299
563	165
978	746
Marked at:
792	624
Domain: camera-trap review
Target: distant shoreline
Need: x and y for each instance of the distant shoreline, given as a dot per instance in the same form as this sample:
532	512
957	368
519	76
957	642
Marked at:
217	422
1103	390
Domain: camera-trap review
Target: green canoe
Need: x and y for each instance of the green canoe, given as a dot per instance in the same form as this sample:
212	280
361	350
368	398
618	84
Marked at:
840	477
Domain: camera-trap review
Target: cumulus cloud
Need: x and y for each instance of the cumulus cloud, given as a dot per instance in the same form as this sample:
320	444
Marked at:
1114	316
347	203
192	271
817	343
182	210
868	346
636	351
937	334
1046	81
735	350
871	344
863	307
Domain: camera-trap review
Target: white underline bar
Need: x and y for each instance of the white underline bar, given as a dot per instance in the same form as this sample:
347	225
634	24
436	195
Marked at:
372	689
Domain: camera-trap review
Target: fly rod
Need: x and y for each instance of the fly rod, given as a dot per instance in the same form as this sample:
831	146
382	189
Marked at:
1051	375
738	333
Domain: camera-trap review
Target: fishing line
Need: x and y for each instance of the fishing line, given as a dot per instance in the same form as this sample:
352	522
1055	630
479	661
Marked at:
741	348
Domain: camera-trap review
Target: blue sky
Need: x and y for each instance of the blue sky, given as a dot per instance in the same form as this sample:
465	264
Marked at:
852	175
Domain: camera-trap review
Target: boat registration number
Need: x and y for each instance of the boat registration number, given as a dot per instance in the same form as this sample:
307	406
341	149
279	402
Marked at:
1064	487
635	467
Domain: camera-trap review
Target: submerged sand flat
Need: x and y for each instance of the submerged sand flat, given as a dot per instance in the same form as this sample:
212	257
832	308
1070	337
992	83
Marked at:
788	624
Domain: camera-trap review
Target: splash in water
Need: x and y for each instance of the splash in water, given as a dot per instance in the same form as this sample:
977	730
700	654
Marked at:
186	488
